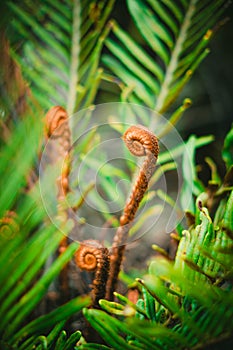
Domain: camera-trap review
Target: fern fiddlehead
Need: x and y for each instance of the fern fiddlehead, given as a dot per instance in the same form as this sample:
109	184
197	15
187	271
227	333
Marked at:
141	142
93	256
57	129
8	226
58	132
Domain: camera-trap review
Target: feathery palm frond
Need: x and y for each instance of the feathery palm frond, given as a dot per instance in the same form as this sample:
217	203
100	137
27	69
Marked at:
177	35
60	49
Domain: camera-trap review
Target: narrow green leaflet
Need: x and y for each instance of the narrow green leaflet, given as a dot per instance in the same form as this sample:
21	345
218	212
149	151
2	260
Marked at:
227	151
188	167
48	321
27	302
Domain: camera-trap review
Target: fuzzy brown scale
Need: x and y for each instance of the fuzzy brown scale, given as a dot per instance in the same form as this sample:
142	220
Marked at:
140	142
93	256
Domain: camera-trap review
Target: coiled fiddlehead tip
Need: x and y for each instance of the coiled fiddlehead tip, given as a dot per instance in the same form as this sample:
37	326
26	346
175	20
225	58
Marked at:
8	225
59	149
141	141
88	255
93	256
54	118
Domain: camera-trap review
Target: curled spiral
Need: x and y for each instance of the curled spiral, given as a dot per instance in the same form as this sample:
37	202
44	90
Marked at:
140	142
54	118
93	256
9	226
88	255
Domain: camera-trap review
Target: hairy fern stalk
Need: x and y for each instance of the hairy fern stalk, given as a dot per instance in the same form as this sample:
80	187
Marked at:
52	55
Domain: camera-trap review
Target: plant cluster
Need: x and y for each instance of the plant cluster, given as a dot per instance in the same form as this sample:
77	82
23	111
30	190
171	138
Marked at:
62	53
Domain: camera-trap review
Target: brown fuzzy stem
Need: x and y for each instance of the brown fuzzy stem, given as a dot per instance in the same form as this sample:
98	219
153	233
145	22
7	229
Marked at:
93	256
141	142
57	131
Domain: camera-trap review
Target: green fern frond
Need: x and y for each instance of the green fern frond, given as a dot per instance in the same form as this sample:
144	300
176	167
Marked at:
60	50
178	35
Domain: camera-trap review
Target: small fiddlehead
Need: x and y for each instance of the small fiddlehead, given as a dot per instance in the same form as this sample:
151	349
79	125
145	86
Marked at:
58	133
93	256
140	142
9	226
54	118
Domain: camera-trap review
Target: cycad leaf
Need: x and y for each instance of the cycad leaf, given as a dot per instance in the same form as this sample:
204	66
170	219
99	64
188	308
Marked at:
153	30
133	66
178	44
141	91
60	49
